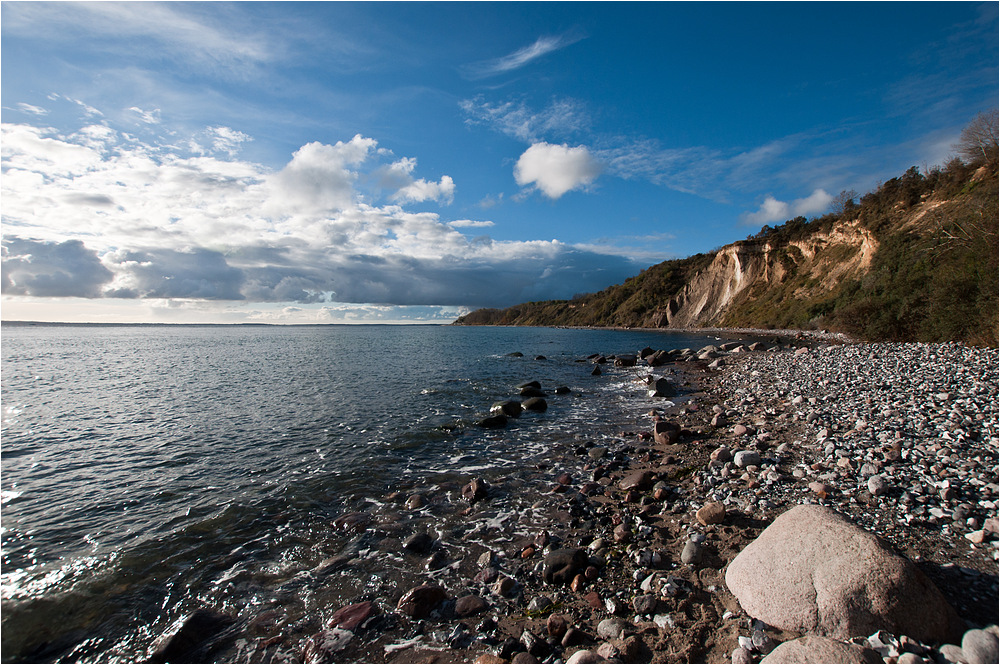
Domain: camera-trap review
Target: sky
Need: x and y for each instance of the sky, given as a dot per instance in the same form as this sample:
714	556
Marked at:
408	162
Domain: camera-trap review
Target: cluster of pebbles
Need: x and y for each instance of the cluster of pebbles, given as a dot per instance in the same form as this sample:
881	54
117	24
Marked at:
615	549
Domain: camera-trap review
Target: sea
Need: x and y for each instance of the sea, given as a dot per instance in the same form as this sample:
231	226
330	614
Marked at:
148	471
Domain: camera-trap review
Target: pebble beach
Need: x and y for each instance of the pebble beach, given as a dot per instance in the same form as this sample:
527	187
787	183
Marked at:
800	500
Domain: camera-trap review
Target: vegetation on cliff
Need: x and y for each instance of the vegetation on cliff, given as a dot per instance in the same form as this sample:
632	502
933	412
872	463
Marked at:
914	260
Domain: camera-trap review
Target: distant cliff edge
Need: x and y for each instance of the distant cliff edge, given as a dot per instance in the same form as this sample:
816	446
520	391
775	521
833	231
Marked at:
915	260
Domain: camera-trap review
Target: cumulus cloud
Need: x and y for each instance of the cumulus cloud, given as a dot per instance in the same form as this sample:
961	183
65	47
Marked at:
773	210
556	169
100	213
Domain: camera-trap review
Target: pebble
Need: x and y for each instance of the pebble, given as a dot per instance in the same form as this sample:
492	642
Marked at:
612	628
745	458
711	513
692	553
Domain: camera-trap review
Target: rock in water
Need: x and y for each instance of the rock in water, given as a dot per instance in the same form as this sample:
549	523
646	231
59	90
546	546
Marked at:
420	601
475	490
190	637
815	649
814	571
535	404
352	616
562	565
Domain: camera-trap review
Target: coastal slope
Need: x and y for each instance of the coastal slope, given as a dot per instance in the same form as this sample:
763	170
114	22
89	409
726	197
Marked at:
914	260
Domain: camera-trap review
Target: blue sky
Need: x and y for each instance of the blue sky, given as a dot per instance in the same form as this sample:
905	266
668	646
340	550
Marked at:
343	162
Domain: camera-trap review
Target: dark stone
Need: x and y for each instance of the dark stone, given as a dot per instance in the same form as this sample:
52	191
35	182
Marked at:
535	645
420	601
625	361
498	421
575	637
190	637
436	561
562	390
540	358
596	372
509	647
535	404
562	565
352	616
486	575
469	605
529	384
510	408
637	480
324	645
664	388
531	391
352	522
475	490
419	543
515	354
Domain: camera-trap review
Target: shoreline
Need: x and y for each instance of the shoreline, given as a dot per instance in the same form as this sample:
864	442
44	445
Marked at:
632	506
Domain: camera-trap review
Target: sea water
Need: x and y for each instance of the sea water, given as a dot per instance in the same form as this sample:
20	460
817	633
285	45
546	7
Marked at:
149	470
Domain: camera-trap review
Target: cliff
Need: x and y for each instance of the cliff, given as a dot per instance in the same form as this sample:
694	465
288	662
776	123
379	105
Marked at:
915	260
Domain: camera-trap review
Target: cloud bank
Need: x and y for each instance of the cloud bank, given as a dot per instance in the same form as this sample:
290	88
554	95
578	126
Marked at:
98	213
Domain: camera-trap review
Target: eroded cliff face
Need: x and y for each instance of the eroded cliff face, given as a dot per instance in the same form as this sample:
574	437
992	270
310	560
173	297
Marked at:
746	271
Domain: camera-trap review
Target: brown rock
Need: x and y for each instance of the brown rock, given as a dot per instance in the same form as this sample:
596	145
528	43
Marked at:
561	566
420	601
578	584
711	513
821	489
637	480
416	501
475	490
594	600
814	571
622	534
503	586
666	433
489	659
352	522
556	625
469	605
352	616
816	649
523	658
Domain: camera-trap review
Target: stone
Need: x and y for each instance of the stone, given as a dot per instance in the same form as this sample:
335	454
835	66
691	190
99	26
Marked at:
662	388
976	537
561	566
575	636
352	522
741	656
722	454
536	404
352	616
486	575
556	625
475	491
189	637
535	645
419	543
612	629
909	659
740	430
622	534
419	602
644	604
952	653
745	458
504	585
532	391
821	489
523	658
509	408
691	554
489	659
637	480
470	605
877	485
979	646
711	513
583	656
539	603
322	647
818	649
436	561
496	421
814	571
666	433
416	501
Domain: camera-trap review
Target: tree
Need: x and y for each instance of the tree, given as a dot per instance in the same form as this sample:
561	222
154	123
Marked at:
978	142
845	203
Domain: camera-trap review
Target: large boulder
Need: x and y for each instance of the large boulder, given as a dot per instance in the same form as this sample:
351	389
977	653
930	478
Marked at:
814	571
816	649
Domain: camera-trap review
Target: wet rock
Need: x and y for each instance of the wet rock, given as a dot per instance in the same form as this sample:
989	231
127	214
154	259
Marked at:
531	391
562	390
419	543
498	421
352	522
352	616
979	646
323	646
475	491
436	561
529	384
509	408
416	502
470	605
817	649
826	564
561	566
420	601
486	575
190	637
662	387
537	404
503	586
711	513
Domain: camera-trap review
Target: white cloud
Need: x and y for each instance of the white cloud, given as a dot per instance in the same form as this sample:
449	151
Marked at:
773	210
96	213
31	109
521	57
562	117
148	117
556	169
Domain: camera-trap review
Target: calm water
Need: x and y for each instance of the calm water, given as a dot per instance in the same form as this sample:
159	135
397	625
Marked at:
149	470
